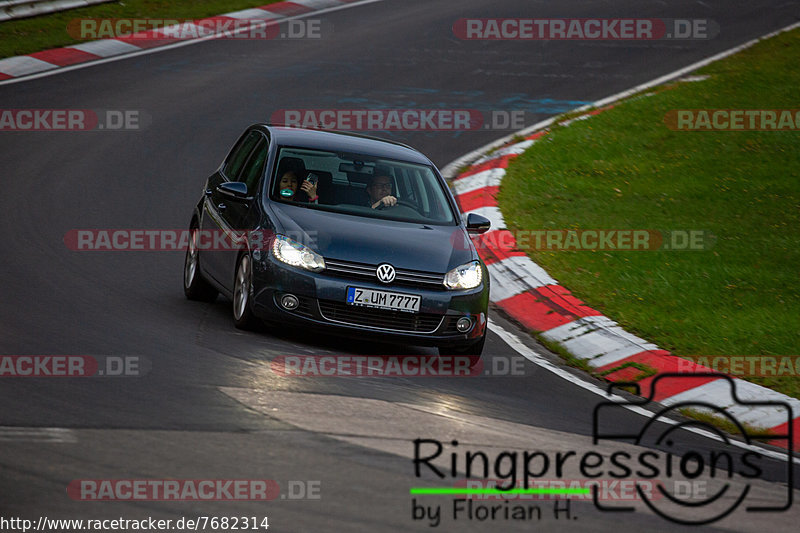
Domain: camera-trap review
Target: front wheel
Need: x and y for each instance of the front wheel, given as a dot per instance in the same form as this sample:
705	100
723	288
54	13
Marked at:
473	351
243	317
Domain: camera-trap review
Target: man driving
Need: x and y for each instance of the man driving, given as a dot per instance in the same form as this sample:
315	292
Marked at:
379	189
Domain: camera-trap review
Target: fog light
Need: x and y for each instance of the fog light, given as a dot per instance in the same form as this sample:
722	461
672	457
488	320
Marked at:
289	302
463	324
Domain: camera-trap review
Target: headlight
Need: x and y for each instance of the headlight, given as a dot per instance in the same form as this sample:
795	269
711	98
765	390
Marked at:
295	254
466	276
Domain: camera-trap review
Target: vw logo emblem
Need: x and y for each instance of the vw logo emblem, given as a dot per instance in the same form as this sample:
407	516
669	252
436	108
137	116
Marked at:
385	273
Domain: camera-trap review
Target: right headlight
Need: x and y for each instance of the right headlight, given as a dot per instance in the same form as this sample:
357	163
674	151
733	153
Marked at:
295	254
466	276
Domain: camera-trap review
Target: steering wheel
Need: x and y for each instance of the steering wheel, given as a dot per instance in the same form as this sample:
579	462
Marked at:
407	204
399	202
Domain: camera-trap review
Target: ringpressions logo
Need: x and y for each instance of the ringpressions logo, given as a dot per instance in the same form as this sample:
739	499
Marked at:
663	461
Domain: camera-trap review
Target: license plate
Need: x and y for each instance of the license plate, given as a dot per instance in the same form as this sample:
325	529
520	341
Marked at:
383	299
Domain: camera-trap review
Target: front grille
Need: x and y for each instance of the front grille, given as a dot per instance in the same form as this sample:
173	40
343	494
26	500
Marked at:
410	278
304	308
450	325
379	318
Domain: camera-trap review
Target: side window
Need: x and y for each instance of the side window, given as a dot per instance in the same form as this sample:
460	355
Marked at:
411	185
254	167
239	155
425	193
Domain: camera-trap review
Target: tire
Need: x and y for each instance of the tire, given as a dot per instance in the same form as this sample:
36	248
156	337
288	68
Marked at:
243	317
195	287
473	351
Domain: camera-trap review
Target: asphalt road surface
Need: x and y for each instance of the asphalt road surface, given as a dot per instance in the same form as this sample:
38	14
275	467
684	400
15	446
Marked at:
210	406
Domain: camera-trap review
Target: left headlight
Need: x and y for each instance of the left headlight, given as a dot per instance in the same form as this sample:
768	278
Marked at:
467	276
295	254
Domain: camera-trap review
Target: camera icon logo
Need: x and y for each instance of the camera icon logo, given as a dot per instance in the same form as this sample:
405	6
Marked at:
676	452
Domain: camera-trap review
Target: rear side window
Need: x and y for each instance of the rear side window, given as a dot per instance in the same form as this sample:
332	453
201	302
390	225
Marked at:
239	154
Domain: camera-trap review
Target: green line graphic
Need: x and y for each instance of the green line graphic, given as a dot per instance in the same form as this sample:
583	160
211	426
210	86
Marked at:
450	490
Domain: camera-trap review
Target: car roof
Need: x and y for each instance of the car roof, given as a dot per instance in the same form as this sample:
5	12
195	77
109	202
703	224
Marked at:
339	141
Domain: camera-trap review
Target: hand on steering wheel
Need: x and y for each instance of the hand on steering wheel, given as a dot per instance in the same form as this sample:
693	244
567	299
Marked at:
386	201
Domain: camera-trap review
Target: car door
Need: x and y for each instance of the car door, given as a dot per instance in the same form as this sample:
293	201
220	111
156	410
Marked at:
214	220
240	215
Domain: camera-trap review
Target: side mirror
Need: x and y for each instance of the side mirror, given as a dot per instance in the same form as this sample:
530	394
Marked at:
477	224
235	189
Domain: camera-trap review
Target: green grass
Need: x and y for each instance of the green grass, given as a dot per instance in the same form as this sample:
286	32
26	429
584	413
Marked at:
25	36
719	421
624	169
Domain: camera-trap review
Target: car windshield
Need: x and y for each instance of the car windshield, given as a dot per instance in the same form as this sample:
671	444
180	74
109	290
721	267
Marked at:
361	185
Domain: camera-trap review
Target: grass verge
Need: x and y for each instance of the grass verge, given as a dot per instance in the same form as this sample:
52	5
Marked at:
25	36
718	421
625	169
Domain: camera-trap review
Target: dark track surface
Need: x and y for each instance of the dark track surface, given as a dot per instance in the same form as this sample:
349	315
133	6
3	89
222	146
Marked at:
175	422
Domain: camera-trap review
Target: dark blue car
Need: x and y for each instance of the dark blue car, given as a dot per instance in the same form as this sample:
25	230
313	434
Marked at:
336	231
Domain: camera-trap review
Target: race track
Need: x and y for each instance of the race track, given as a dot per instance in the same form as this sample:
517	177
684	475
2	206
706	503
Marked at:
210	407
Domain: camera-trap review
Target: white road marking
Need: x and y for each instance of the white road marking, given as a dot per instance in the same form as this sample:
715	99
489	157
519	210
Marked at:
514	149
251	14
718	393
23	65
27	434
479	180
515	275
106	47
599	339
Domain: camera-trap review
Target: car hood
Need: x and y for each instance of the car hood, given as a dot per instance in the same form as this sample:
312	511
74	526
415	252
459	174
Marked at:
405	245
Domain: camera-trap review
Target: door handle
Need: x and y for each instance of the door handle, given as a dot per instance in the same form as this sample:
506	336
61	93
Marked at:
221	207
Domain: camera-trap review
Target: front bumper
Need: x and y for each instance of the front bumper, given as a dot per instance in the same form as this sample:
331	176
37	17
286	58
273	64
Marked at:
322	307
